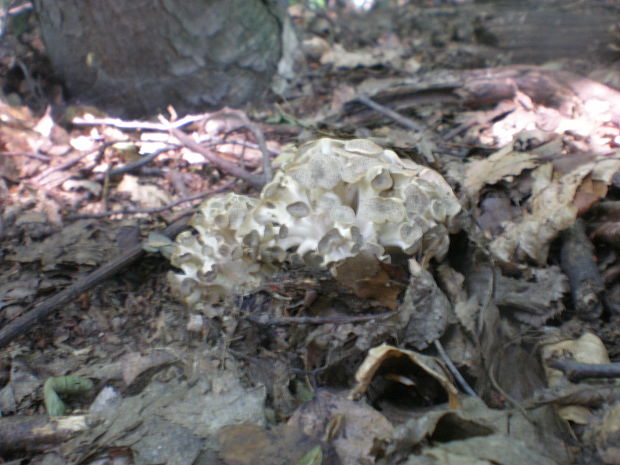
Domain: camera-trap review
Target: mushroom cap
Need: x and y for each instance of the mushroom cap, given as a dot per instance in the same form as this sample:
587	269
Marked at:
333	200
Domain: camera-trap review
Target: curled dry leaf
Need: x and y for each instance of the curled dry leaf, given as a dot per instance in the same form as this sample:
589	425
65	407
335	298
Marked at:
556	197
430	365
549	210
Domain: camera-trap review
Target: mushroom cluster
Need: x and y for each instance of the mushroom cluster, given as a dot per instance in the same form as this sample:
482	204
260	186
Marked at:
332	200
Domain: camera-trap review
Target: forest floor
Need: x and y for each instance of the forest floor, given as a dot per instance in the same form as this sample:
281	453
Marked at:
463	355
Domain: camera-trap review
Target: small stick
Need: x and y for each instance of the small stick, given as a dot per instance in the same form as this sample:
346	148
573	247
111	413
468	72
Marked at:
260	140
455	372
316	320
68	164
137	125
255	180
256	132
576	371
592	396
400	119
134	165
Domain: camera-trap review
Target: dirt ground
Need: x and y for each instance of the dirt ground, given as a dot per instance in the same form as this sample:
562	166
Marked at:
490	340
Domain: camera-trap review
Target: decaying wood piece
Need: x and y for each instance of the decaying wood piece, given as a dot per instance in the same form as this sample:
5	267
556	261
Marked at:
577	371
37	433
535	32
577	261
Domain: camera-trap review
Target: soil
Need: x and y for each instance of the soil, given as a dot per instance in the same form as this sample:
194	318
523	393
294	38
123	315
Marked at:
308	366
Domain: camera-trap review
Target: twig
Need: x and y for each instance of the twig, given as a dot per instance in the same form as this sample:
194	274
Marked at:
173	127
316	320
255	180
121	124
143	160
455	372
63	166
576	371
400	119
72	161
19	9
260	139
70	294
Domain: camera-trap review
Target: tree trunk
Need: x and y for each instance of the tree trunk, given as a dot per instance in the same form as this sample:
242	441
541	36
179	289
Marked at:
135	58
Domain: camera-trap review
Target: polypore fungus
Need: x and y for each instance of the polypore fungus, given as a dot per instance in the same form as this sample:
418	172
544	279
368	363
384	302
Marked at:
331	201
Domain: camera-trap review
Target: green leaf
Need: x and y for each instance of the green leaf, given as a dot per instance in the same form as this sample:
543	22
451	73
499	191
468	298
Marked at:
62	385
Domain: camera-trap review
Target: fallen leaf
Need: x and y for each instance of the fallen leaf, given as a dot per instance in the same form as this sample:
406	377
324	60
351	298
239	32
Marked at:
428	365
351	427
501	165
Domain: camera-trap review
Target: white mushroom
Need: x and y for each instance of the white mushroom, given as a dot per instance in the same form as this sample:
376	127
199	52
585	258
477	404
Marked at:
333	200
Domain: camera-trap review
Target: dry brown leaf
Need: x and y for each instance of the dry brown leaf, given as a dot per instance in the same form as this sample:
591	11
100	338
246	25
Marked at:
549	211
351	427
425	308
488	450
256	445
83	242
430	365
341	58
502	165
368	279
535	299
145	195
588	193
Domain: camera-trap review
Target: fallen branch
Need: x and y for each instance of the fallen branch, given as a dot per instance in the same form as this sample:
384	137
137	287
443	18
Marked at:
576	371
37	433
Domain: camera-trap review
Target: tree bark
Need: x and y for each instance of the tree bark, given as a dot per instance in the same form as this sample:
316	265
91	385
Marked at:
135	58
